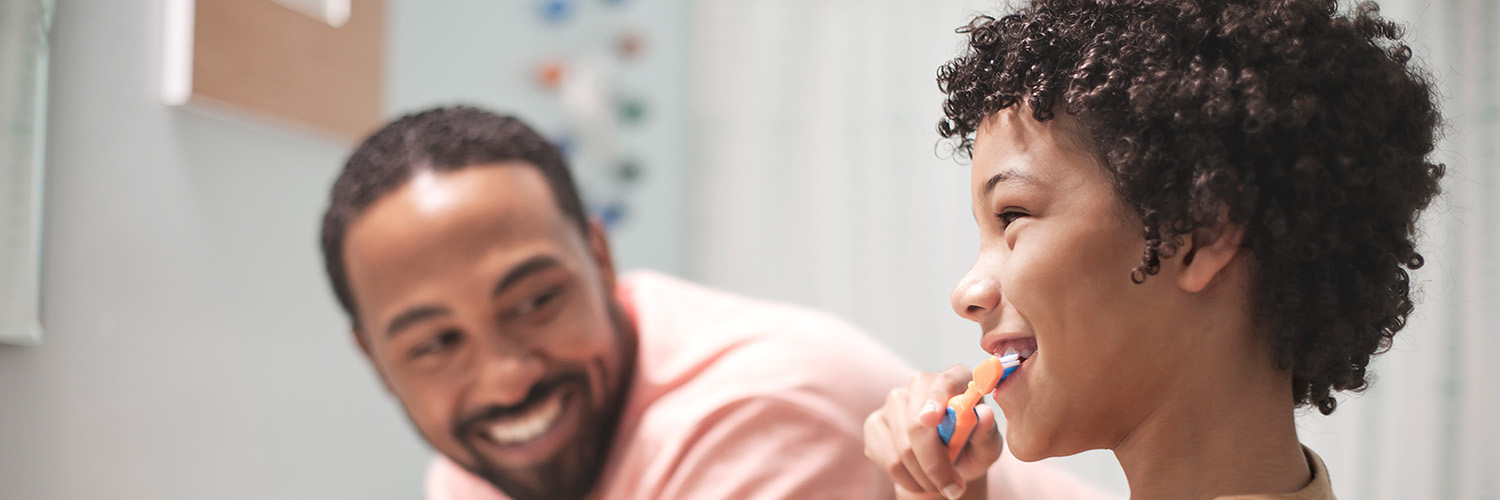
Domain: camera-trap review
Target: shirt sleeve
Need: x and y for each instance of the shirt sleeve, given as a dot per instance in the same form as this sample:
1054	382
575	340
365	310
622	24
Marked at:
447	481
1011	478
767	448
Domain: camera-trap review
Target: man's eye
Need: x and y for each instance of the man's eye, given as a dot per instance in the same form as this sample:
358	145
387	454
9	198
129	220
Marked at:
438	343
1008	217
537	302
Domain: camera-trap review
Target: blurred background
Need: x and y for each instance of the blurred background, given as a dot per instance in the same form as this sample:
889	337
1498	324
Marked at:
784	149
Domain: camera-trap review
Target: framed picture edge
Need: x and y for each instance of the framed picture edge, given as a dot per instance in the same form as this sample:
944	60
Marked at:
22	298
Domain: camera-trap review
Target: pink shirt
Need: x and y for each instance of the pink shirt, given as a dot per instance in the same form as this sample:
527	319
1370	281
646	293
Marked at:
742	399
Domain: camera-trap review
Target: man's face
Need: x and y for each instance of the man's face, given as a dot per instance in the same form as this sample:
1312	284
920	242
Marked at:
492	318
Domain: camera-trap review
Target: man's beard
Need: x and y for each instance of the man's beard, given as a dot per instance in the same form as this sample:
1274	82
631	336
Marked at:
573	472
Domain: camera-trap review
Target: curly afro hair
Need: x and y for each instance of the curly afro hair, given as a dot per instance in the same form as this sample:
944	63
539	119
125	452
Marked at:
1311	127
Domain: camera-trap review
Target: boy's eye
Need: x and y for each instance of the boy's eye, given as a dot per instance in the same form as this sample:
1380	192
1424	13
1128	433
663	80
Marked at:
1008	217
436	344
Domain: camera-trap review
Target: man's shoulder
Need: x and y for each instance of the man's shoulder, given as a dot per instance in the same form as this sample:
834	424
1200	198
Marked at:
715	332
660	299
666	306
707	351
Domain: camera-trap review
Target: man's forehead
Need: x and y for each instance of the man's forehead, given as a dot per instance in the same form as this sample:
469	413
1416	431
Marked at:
515	193
446	219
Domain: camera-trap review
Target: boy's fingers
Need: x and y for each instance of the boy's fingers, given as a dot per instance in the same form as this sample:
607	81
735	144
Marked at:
985	446
931	414
907	446
884	454
913	467
949	383
904	480
939	390
932	455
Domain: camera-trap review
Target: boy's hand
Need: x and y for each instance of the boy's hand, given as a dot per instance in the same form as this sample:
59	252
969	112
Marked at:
902	439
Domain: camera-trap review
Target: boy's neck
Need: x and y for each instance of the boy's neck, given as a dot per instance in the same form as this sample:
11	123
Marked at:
1230	429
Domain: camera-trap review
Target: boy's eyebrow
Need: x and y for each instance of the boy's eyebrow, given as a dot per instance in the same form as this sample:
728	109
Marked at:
1009	175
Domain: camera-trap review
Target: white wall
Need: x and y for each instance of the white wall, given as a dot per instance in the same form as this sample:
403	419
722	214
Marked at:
192	349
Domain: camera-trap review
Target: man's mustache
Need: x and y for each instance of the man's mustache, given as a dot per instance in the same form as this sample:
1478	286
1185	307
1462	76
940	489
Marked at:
464	425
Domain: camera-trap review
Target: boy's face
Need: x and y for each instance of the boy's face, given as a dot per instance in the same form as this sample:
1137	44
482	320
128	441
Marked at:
1057	247
492	319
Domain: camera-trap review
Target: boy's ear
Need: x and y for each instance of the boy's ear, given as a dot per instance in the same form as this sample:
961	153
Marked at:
1208	252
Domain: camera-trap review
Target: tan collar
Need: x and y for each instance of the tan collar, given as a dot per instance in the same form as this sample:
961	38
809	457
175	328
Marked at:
1317	489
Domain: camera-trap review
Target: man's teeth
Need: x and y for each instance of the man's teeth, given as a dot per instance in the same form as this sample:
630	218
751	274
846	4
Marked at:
530	425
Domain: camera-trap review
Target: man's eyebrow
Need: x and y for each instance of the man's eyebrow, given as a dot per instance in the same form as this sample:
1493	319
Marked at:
411	317
526	268
1009	175
418	314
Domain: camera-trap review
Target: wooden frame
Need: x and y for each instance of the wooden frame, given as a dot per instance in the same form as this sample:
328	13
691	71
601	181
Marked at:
262	58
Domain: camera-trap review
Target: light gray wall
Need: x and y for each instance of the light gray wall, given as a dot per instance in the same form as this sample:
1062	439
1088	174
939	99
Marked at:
486	52
192	349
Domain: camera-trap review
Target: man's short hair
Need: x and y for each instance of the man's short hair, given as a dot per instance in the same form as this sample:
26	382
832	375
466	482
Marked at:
438	140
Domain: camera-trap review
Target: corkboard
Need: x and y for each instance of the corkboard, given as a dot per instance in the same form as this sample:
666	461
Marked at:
263	58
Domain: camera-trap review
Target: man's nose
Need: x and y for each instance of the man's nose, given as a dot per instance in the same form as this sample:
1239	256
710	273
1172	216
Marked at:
975	295
507	372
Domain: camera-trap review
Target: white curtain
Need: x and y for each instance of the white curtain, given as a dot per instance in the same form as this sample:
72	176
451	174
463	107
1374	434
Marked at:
813	175
815	178
1430	425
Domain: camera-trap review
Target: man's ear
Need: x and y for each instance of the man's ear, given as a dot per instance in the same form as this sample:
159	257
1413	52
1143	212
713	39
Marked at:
599	249
364	347
1209	251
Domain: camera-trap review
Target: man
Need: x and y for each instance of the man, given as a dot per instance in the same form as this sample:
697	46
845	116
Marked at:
489	306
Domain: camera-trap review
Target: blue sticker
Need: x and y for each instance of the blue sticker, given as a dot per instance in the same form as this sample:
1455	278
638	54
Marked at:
612	214
557	11
564	143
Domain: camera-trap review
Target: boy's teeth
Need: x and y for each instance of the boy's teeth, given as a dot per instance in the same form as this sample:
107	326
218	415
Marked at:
1010	351
1026	353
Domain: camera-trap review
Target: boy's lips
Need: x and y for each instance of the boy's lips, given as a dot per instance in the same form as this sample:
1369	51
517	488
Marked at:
1025	346
1002	345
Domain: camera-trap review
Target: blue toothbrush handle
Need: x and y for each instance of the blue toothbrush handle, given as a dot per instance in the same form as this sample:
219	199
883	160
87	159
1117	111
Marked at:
945	429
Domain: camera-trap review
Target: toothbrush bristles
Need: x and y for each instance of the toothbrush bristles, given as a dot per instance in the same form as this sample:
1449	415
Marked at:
1010	359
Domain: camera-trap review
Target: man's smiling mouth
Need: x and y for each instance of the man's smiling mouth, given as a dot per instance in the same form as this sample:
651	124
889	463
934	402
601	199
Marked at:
531	423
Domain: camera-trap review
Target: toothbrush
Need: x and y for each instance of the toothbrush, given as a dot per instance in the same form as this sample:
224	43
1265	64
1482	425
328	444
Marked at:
961	417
